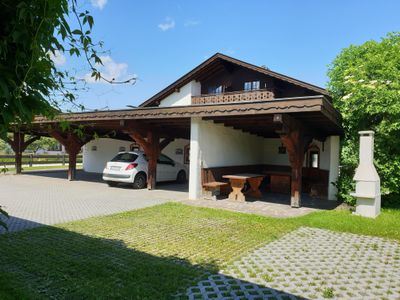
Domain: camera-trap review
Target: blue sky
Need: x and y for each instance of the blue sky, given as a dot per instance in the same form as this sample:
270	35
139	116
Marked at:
159	41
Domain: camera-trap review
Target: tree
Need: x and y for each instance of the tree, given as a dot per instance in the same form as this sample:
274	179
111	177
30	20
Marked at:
365	85
45	143
31	32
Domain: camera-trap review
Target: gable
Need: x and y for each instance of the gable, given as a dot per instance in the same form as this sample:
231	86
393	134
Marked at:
219	64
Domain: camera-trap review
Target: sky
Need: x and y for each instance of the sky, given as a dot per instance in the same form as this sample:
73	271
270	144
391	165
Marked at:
159	41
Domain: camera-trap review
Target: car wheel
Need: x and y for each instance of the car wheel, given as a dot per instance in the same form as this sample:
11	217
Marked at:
181	178
140	181
112	183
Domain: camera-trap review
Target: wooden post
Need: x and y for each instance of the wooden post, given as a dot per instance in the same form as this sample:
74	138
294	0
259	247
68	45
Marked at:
73	145
296	142
154	152
19	145
152	149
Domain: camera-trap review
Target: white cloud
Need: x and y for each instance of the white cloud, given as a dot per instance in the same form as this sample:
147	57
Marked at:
58	58
190	23
110	70
99	3
168	24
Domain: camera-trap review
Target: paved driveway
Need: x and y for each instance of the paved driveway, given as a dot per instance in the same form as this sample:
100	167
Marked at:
40	198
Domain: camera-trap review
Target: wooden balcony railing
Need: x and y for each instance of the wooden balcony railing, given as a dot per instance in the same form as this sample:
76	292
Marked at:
238	96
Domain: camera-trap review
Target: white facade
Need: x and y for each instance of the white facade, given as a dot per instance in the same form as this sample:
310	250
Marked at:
183	96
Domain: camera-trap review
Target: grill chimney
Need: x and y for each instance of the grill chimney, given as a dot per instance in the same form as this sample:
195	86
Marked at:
367	179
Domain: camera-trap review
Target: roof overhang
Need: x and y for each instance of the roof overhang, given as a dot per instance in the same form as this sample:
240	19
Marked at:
316	111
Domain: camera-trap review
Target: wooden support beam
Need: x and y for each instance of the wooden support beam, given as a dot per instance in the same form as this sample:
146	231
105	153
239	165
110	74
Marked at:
296	142
19	145
151	146
73	144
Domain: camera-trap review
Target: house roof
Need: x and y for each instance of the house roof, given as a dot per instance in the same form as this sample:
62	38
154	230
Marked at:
154	100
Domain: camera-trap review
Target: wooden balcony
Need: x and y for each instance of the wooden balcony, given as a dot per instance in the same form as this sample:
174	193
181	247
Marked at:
238	96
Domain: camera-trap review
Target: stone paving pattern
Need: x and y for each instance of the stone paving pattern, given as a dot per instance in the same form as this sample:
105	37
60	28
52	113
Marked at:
272	205
46	198
313	264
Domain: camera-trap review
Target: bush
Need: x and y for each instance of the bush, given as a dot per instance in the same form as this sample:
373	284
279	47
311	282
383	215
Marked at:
365	84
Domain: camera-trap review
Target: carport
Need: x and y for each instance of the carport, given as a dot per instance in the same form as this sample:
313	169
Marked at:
296	121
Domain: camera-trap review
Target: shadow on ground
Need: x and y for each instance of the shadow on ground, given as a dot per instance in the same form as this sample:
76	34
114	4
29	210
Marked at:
50	262
16	224
96	177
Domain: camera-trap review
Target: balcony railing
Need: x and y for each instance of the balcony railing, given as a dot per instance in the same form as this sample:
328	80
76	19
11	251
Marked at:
237	96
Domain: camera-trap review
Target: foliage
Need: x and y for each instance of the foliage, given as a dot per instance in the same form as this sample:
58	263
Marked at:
31	32
45	143
365	85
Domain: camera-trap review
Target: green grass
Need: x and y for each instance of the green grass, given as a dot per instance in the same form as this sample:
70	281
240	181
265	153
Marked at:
39	168
150	253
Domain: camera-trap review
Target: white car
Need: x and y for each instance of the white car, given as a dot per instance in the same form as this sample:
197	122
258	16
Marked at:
131	167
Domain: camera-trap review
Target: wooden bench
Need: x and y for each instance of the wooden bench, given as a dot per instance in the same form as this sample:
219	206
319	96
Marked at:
213	189
315	181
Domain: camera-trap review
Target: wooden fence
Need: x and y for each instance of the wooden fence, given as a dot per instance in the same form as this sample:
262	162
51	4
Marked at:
37	159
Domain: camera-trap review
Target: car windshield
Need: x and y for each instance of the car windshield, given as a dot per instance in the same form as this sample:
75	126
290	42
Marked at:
125	157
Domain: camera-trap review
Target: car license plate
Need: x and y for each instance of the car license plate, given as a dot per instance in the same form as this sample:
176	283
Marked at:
115	168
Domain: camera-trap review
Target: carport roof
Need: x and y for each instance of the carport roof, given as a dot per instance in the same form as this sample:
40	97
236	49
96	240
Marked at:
316	111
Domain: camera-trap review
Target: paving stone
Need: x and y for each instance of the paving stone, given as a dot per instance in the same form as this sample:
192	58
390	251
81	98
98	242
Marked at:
312	263
46	198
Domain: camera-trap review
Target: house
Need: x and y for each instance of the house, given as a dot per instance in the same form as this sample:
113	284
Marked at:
225	116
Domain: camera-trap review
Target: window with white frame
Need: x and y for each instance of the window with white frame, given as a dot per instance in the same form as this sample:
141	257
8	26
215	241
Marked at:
251	85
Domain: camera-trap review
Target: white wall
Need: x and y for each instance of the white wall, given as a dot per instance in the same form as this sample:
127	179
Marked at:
170	150
271	156
214	145
224	146
106	149
184	96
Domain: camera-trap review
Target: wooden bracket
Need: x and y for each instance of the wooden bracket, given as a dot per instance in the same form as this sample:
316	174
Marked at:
73	144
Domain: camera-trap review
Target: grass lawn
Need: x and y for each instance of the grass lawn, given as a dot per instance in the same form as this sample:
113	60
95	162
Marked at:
150	253
39	168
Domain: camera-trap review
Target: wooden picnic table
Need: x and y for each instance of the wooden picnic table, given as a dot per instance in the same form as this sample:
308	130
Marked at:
238	181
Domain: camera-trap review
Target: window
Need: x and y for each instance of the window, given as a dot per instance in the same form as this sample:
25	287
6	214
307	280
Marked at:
216	89
251	85
165	160
313	157
125	157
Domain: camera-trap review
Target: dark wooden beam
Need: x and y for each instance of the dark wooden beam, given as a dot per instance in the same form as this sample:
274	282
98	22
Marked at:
73	144
19	145
151	147
293	136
